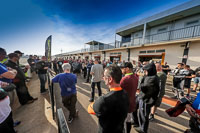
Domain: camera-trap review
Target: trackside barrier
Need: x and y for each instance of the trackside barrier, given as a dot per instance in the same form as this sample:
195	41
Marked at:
62	123
51	92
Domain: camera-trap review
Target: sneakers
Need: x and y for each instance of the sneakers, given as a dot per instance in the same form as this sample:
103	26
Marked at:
138	130
151	117
70	119
16	123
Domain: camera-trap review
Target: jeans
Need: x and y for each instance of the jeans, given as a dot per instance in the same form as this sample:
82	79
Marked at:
43	79
196	80
70	103
93	89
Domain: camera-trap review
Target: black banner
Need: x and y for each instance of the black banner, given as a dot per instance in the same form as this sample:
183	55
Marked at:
48	48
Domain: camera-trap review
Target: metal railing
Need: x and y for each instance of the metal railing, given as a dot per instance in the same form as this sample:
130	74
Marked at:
177	34
61	121
51	92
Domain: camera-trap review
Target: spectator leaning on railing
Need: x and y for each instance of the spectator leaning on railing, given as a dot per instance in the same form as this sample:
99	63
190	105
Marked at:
67	82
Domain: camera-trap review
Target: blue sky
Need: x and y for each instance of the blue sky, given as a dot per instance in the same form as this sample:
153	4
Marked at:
25	24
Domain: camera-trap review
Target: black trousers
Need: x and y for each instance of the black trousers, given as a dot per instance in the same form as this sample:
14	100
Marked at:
141	115
93	89
70	103
60	70
88	76
84	73
22	92
7	125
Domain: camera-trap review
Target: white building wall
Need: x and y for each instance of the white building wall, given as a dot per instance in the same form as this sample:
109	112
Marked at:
97	54
124	54
173	53
194	55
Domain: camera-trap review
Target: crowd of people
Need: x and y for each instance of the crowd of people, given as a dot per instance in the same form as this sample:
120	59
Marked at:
12	78
121	107
117	110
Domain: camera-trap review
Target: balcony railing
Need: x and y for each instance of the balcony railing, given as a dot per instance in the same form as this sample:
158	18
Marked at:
177	34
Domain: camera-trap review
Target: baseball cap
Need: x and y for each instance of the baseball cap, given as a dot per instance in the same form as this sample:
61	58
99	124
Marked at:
18	52
11	55
127	64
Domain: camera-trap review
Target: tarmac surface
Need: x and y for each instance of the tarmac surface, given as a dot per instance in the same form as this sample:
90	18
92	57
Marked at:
37	117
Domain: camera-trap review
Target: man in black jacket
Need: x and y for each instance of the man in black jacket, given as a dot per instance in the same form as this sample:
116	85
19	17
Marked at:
42	67
31	62
19	81
149	90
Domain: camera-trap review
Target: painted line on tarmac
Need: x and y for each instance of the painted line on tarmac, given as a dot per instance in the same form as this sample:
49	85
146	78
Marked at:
171	123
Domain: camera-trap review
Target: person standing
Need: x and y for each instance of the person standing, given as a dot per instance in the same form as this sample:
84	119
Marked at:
42	67
20	80
129	83
196	79
166	68
6	120
97	75
149	90
89	66
178	83
55	66
111	108
84	69
163	77
60	63
31	62
67	82
76	67
189	74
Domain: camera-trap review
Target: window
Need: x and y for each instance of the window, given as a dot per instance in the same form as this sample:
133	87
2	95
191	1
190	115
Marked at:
142	52
160	50
192	23
151	51
126	38
162	30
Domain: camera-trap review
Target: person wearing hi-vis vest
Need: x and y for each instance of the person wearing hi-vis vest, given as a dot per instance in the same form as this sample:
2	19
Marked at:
111	108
